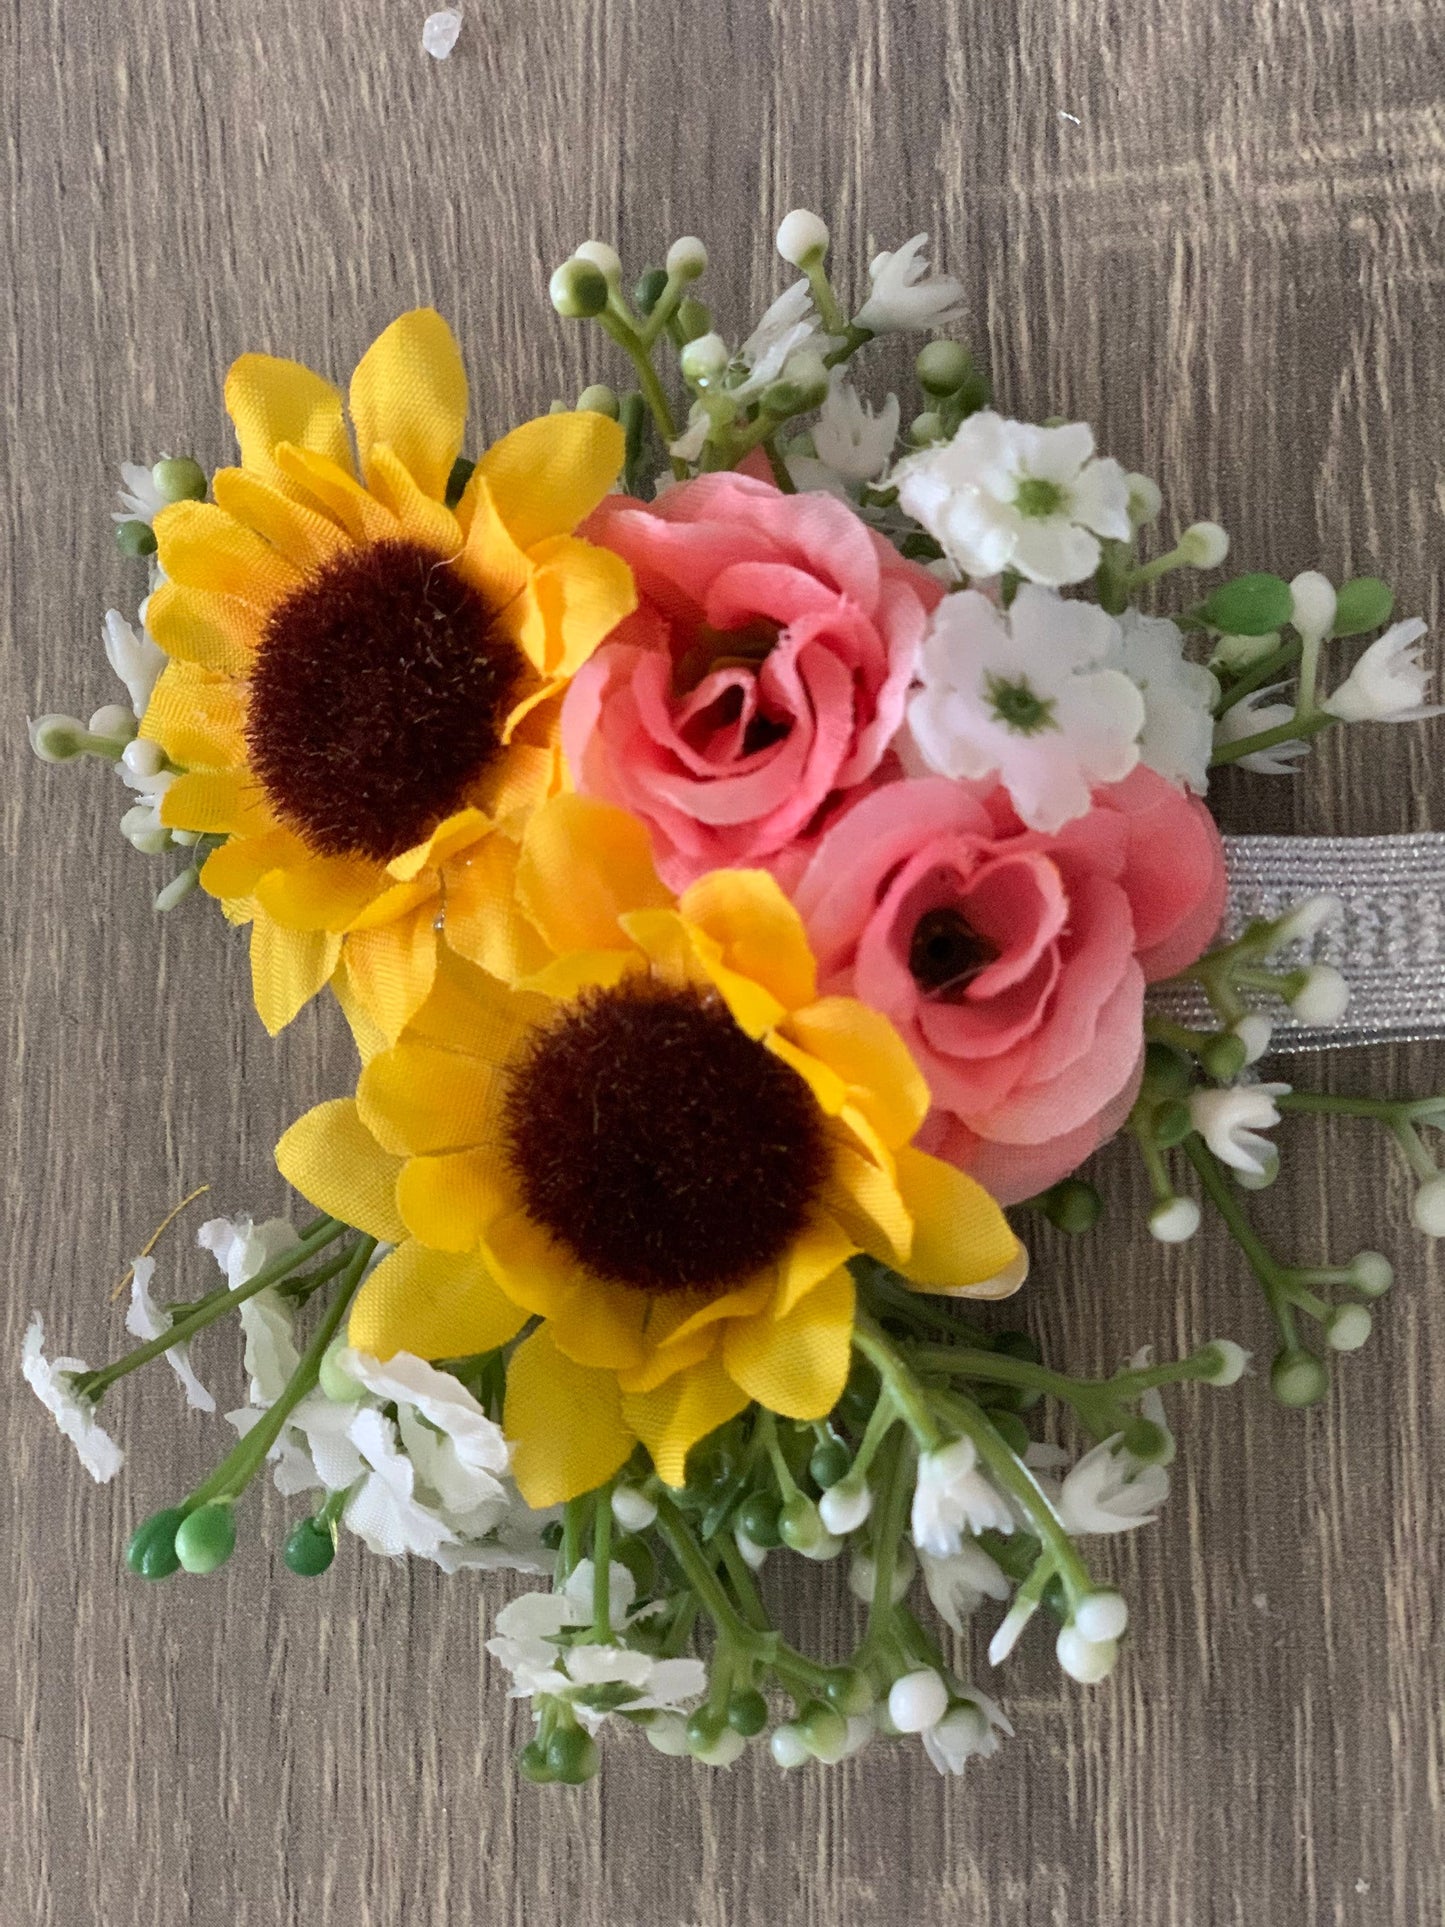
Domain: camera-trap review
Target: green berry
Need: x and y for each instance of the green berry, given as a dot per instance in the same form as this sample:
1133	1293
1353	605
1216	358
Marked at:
758	1517
799	1524
747	1712
1012	1430
206	1538
1167	1072
694	319
135	538
849	1690
310	1549
152	1548
179	479
599	399
1298	1378
1172	1123
822	1725
572	1756
704	1727
943	367
648	291
1074	1206
1223	1056
579	289
532	1764
830	1463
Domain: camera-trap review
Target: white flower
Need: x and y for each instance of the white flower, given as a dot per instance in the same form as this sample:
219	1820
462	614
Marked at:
1323	998
527	1642
1109	1490
849	438
1252	715
789	324
136	660
952	1497
242	1248
50	1380
959	1584
1179	698
1008	495
384	1510
970	1731
145	1319
1009	1628
1230	1122
141	500
690	443
904	296
1389	683
1026	697
1086	1660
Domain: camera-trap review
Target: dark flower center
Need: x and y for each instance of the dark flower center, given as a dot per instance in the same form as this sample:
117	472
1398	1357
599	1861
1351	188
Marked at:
945	952
659	1143
378	696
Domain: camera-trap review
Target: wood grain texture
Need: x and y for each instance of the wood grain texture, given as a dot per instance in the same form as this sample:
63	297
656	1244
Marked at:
1214	230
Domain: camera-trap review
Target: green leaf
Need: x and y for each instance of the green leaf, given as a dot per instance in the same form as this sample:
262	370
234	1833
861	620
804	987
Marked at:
1363	604
1251	605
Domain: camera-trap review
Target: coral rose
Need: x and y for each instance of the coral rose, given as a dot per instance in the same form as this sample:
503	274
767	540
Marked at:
1014	962
762	677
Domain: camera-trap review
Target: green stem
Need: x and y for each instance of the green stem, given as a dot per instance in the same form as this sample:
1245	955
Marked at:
1386	1110
1298	729
907	1394
749	1602
602	1564
1263	672
889	1520
231	1476
653	392
94	1384
916	1306
1273	1277
704	1581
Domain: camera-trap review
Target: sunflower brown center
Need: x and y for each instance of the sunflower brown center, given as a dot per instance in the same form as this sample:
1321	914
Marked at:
659	1143
945	952
378	695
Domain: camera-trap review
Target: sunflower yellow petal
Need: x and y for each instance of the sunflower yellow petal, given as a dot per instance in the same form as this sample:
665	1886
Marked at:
482	920
669	945
288	967
867	1053
827	1087
581	593
549	474
307	538
392	966
582	865
865	1201
798	1364
331	1158
211	631
434	1304
201	547
821	1249
366	1034
759	932
672	1418
455	832
318	892
564	1421
197	717
271	401
451	1201
234	870
419	1099
472	1013
962	1242
216	802
530	1266
421	516
599	1323
318	479
666	1361
410	391
491	560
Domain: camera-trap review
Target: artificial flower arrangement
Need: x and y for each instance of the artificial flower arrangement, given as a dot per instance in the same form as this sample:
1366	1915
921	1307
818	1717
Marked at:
741	839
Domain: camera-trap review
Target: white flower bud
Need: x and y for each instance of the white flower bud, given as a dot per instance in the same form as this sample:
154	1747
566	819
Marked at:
802	238
1312	605
1254	1032
440	31
1347	1327
668	1733
1372	1272
1101	1616
863	1575
825	1547
633	1510
142	758
1203	545
578	289
1233	1362
845	1506
1323	997
917	1701
115	721
604	256
1307	919
1086	1660
1428	1209
1145	500
1174	1221
725	1749
704	359
686	258
57	739
754	1555
178	889
788	1747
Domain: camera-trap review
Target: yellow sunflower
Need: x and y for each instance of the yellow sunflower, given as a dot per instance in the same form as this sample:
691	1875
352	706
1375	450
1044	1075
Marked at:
361	679
664	1146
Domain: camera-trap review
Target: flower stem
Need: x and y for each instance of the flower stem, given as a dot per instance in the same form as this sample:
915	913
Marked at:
232	1475
1273	1277
1385	1110
1299	728
94	1384
890	1518
602	1564
702	1577
907	1394
1263	672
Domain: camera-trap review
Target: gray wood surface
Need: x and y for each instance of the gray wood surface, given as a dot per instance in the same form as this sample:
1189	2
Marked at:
1212	228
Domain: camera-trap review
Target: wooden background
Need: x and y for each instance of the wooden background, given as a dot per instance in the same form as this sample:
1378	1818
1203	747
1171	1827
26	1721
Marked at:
1215	230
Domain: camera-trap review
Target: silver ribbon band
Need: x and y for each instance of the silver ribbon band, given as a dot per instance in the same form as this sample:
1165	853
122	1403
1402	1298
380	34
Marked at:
1390	944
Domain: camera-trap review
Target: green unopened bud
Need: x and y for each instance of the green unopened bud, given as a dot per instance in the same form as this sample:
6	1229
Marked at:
1203	545
59	739
850	1690
822	1726
1297	1378
1172	1124
803	386
604	257
747	1712
1145	500
800	1526
1224	1056
1238	653
1151	1443
1222	1362
704	1725
532	1764
759	1518
1347	1327
335	1381
705	359
1167	1072
578	290
943	367
152	1548
925	428
599	399
179	479
1074	1206
135	538
686	258
694	318
572	1756
649	290
830	1463
206	1538
310	1549
1372	1273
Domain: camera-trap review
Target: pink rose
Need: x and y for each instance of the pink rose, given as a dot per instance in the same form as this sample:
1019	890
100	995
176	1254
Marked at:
762	677
1013	962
